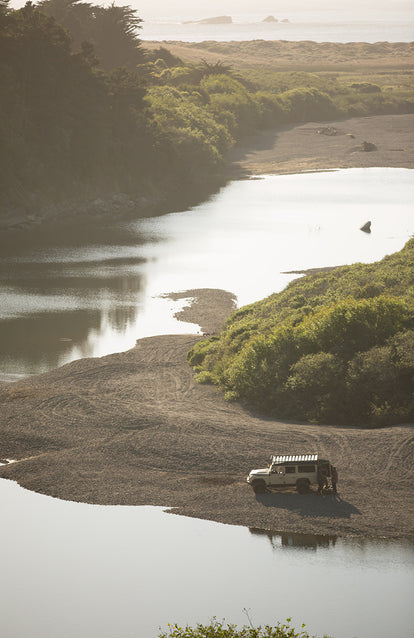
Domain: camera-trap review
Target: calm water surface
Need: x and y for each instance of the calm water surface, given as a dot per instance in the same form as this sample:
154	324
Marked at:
60	304
72	570
332	25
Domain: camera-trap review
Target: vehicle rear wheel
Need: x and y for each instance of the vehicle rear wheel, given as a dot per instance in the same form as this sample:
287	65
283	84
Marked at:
259	487
302	486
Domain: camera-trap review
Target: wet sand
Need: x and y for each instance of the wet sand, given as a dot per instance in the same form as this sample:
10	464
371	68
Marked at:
318	146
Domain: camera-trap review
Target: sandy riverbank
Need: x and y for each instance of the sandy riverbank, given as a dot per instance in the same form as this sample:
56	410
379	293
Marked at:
316	146
134	428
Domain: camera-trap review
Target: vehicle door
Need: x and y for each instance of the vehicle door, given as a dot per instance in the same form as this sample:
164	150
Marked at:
277	475
290	475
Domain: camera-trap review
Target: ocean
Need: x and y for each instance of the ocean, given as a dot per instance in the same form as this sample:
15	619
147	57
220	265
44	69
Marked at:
332	27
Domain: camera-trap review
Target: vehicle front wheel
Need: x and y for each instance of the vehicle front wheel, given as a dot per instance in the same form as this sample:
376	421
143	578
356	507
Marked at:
259	487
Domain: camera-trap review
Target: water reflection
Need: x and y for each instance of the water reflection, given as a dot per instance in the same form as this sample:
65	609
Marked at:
54	313
62	302
305	541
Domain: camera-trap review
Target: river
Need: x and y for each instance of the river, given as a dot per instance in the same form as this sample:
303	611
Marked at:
72	569
64	303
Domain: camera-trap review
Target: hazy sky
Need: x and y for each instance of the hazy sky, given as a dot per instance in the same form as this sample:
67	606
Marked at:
171	8
279	8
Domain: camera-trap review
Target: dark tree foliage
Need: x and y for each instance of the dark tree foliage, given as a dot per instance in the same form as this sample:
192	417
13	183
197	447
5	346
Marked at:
73	15
65	128
165	55
112	30
114	34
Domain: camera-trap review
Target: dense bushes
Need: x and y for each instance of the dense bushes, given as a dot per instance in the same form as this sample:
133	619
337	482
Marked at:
305	104
66	128
340	94
195	137
332	347
112	30
242	110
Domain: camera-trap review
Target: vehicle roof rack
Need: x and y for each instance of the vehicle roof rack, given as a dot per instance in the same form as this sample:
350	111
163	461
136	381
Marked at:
295	458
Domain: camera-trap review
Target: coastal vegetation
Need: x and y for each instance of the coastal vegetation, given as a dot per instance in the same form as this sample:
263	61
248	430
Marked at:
88	112
359	78
333	347
217	629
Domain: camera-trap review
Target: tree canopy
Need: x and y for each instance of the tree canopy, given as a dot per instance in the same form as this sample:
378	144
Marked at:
112	30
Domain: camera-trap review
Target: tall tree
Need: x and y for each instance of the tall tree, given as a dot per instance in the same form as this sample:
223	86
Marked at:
112	30
53	109
74	15
115	36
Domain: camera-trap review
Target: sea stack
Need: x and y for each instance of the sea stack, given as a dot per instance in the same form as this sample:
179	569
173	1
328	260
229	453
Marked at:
215	20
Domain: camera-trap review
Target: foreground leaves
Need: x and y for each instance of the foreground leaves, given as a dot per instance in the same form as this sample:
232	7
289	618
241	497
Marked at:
219	630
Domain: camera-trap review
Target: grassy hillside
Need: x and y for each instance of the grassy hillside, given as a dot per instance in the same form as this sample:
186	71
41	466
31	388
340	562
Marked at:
284	55
355	78
335	346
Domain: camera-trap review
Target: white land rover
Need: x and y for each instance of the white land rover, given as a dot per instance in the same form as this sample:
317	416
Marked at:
299	470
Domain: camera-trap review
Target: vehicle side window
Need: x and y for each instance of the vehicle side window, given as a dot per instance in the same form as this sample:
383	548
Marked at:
290	470
276	469
306	468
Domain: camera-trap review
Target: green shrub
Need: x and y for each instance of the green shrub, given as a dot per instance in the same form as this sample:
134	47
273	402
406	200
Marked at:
380	382
313	387
270	110
352	325
204	377
366	87
337	346
304	104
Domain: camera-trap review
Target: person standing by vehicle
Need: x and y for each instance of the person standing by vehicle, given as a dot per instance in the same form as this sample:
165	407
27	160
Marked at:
334	478
321	480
